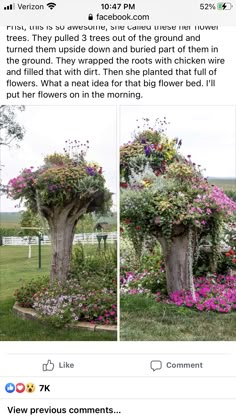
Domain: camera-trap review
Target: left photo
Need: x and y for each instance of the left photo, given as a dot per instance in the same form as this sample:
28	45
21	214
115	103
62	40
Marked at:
58	223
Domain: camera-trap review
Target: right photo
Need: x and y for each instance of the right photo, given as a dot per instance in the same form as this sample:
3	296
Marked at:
177	223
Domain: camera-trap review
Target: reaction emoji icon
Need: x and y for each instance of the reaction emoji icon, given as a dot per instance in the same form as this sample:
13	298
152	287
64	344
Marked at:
10	388
30	387
20	388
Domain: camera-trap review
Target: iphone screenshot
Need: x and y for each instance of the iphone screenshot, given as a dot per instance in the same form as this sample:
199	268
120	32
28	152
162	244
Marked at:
117	209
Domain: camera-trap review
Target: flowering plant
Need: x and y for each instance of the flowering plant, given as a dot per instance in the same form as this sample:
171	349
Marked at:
211	294
61	304
178	195
144	282
25	294
230	242
149	146
165	195
60	179
184	198
231	257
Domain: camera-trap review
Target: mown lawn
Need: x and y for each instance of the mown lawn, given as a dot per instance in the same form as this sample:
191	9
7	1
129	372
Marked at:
14	269
143	319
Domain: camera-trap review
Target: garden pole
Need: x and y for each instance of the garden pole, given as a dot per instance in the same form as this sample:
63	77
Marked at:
105	242
99	238
40	259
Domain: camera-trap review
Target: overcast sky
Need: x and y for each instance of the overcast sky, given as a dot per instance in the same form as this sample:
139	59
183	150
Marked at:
47	128
208	133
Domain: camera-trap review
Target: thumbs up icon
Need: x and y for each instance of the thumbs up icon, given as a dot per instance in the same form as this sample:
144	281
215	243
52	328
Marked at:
48	367
10	388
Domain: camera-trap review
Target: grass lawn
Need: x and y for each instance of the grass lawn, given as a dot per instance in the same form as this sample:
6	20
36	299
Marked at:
143	319
16	267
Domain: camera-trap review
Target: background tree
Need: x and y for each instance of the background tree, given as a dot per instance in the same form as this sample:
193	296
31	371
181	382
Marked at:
10	130
85	224
62	190
32	221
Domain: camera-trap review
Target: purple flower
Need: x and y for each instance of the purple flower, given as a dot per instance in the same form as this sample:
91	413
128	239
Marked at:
90	171
147	150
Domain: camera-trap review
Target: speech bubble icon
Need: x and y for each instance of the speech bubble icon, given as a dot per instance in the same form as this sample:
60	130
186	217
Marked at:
156	365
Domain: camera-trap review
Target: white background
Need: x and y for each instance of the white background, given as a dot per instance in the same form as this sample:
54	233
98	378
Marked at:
198	406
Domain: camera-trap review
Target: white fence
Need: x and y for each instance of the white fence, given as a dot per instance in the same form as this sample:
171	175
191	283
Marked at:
84	238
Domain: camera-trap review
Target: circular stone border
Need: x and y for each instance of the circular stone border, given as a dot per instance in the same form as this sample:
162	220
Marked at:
29	313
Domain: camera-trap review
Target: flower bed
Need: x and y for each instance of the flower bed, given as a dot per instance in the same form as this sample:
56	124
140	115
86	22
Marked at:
134	283
131	284
211	294
61	304
32	315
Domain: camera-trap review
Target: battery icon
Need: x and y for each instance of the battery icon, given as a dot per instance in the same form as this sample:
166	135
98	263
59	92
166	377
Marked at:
224	6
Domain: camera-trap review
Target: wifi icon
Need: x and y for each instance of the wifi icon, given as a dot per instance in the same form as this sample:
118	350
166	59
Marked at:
51	5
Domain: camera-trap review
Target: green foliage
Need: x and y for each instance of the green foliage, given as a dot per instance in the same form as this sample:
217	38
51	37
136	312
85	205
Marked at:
137	215
218	256
225	264
31	220
229	258
155	282
163	202
182	171
14	328
216	231
60	181
146	282
90	293
25	294
148	146
15	265
231	193
96	270
9	231
61	304
202	265
152	258
145	273
56	160
85	224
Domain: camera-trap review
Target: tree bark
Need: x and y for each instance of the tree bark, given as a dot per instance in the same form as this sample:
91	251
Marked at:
62	233
178	262
62	223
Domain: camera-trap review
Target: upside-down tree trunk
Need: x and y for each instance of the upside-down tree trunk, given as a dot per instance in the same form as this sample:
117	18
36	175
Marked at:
178	260
62	223
62	232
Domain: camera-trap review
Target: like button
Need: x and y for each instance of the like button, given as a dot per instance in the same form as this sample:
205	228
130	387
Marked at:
10	388
48	367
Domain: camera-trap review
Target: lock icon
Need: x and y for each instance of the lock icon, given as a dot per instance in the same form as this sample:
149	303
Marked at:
90	16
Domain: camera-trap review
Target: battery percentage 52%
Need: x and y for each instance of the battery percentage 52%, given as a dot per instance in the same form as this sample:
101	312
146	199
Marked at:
216	6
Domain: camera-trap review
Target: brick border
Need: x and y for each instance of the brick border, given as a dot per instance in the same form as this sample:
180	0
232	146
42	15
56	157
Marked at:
31	314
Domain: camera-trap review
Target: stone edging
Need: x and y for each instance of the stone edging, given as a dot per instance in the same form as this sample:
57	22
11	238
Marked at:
26	313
